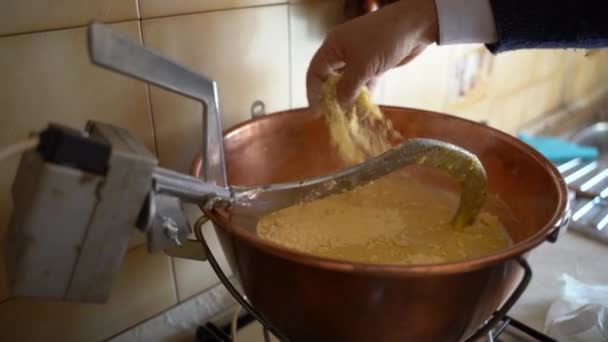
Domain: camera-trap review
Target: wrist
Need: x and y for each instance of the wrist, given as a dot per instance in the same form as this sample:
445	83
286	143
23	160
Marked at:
419	17
465	22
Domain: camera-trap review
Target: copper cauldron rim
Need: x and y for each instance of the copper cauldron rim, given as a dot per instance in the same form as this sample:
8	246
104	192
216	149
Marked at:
555	223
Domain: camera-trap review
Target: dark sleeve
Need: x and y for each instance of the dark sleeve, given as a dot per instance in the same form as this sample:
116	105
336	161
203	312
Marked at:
527	24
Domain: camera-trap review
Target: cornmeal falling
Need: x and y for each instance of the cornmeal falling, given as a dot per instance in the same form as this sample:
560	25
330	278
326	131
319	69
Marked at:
363	132
395	220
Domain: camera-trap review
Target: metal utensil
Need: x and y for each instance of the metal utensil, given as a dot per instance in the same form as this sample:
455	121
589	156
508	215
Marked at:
121	54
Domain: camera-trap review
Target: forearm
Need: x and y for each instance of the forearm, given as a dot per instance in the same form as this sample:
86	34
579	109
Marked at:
550	24
516	24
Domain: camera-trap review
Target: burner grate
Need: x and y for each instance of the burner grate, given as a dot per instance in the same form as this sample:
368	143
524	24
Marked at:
212	333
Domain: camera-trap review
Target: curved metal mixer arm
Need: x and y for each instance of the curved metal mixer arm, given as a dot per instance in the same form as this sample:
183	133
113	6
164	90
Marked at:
455	161
124	55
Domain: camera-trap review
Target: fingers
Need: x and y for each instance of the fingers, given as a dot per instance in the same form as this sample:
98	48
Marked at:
327	59
416	51
372	84
353	78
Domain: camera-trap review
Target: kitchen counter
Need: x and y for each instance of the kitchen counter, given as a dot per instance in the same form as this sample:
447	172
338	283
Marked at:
572	254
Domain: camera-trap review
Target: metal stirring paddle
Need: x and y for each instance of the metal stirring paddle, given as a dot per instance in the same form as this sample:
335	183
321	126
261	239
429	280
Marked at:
124	55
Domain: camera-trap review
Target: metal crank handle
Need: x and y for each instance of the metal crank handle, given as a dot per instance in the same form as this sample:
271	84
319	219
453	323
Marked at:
121	54
455	161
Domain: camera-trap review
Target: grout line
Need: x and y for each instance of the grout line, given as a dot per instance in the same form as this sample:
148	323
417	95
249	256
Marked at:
71	27
289	56
152	121
138	18
156	150
175	287
162	16
149	99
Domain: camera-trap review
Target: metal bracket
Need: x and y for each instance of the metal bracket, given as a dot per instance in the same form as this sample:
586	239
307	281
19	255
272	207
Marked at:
189	249
169	226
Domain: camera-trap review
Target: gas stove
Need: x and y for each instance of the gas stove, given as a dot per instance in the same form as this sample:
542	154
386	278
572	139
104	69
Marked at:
249	330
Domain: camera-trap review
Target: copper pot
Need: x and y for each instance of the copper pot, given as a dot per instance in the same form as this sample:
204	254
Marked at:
314	299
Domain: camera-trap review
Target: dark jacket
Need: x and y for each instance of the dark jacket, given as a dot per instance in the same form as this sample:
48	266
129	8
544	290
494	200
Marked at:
525	24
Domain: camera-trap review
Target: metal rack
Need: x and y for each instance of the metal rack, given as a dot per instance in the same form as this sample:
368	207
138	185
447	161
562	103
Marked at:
588	182
213	333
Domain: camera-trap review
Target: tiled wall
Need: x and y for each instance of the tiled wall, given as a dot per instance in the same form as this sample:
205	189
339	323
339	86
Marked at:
256	50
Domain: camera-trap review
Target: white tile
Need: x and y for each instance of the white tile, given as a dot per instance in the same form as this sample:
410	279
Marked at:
156	8
32	15
249	61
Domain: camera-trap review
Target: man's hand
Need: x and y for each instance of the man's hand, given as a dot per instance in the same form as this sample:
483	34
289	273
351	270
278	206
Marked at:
366	47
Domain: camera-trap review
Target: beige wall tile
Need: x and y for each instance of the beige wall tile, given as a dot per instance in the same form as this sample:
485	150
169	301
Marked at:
48	77
587	73
143	289
421	83
506	112
249	61
156	8
471	110
309	23
548	63
32	15
500	96
512	70
543	98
